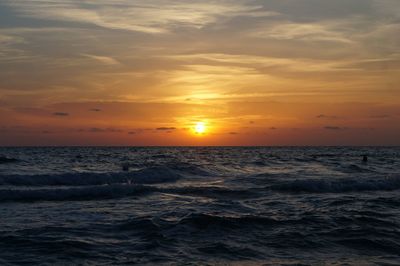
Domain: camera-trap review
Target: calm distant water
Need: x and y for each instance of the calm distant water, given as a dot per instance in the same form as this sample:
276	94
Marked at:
200	206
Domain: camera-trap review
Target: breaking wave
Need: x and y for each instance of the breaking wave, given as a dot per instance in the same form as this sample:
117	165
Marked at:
150	175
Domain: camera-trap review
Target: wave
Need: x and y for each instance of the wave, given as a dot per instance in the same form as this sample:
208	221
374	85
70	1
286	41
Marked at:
114	191
354	168
67	179
4	160
150	175
385	246
154	175
340	186
74	194
205	221
212	192
197	221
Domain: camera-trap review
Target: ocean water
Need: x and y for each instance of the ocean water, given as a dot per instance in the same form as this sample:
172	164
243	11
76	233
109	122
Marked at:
200	206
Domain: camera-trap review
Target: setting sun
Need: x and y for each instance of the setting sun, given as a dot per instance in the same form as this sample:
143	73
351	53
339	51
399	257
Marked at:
230	132
200	128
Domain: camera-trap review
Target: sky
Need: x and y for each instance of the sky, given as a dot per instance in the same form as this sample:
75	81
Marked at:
251	72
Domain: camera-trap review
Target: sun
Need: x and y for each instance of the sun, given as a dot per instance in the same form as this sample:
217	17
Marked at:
200	128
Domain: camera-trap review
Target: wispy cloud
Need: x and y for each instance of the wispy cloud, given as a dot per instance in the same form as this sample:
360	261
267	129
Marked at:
8	39
318	31
166	128
104	130
8	51
107	60
334	128
153	16
322	116
61	114
254	61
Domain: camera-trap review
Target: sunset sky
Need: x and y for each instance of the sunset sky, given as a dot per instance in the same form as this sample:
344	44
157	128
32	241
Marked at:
130	72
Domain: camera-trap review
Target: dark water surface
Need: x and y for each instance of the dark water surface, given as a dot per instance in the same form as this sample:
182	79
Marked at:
200	206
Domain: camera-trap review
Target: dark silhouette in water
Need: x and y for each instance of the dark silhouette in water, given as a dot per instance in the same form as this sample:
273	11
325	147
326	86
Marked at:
365	159
7	160
125	167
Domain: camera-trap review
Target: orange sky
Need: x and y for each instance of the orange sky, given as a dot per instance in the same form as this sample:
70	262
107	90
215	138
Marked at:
272	72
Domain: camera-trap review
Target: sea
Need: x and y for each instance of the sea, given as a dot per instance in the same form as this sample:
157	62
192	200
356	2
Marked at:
199	206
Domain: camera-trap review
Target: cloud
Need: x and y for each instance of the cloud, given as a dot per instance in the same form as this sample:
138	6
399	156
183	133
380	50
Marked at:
8	51
9	39
103	59
61	114
104	130
151	16
373	40
319	31
229	62
253	63
387	8
95	110
380	116
322	116
166	128
334	128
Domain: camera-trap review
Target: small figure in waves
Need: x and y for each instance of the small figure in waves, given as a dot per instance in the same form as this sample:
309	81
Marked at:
125	167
